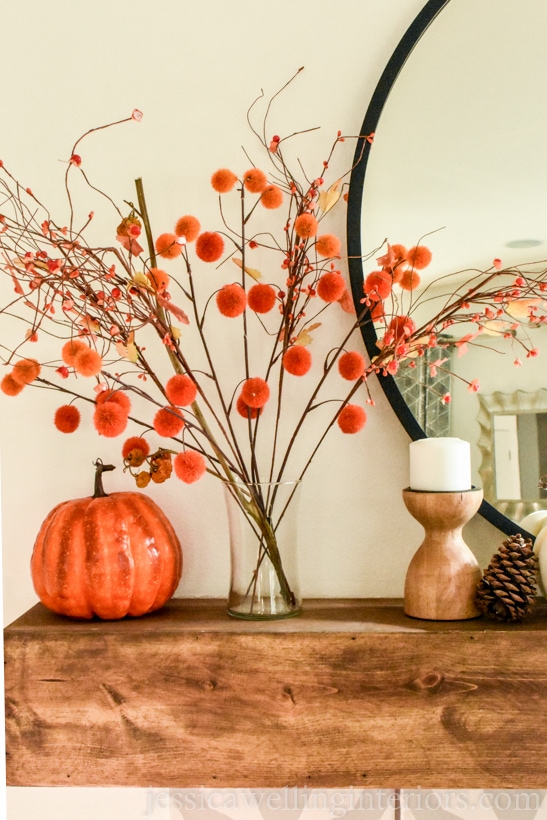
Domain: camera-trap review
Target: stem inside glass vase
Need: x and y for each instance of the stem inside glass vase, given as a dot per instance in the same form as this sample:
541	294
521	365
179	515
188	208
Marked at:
263	548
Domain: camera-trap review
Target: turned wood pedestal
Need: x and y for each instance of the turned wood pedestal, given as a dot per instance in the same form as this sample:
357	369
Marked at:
352	693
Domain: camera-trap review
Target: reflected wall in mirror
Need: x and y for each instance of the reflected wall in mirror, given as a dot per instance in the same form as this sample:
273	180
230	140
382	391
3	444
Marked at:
458	155
513	447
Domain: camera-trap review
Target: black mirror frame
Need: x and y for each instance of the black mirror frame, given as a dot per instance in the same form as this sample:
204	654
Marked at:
355	201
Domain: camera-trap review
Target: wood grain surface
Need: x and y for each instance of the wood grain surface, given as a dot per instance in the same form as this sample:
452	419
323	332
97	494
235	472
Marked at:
352	693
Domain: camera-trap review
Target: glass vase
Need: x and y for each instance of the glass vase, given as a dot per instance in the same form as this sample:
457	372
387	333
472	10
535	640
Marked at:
262	520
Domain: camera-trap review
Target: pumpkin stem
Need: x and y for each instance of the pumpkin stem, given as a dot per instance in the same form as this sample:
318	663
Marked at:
100	468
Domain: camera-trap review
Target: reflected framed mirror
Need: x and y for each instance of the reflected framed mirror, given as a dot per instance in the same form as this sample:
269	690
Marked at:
457	155
513	447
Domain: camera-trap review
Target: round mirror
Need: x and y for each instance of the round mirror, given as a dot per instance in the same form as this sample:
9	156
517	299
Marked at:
457	158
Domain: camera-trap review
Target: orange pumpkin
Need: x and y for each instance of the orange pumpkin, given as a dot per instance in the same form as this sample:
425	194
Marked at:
107	555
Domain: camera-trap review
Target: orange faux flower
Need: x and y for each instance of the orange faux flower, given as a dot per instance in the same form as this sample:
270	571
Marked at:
223	180
351	365
158	278
399	251
188	226
110	419
255	181
331	287
167	246
25	371
297	360
231	300
261	298
255	392
378	285
328	245
67	418
135	450
209	246
168	422
117	396
181	390
190	466
306	225
246	411
71	350
351	418
409	280
419	257
401	327
88	362
9	386
272	197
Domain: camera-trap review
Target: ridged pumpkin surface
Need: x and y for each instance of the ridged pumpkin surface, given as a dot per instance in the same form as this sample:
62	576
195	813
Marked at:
109	556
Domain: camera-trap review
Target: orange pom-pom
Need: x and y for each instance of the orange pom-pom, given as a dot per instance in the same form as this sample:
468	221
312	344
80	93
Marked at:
158	278
67	418
272	197
135	450
117	396
189	466
306	225
297	360
328	245
409	280
88	362
255	181
351	418
378	285
246	411
25	371
399	252
401	327
167	246
223	180
231	300
71	350
110	419
261	298
188	226
331	287
10	386
168	422
351	365
255	392
181	390
209	246
419	257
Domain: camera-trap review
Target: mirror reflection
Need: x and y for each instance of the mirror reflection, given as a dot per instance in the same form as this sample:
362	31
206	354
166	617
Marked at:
458	164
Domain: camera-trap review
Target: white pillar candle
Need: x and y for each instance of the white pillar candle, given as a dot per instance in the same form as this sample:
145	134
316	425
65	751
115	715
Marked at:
440	465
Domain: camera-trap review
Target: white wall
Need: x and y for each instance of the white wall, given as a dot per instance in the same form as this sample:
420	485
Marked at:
193	68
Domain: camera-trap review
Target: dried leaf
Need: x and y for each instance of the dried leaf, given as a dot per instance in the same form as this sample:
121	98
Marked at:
346	302
176	311
252	272
130	244
128	351
328	199
305	337
141	280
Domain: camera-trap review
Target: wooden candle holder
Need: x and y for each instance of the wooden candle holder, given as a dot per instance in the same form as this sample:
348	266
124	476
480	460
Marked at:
441	580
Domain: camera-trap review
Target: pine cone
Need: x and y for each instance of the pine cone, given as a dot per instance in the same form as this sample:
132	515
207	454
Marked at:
507	591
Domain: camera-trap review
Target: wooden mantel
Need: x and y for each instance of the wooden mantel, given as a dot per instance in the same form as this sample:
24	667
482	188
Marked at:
352	693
